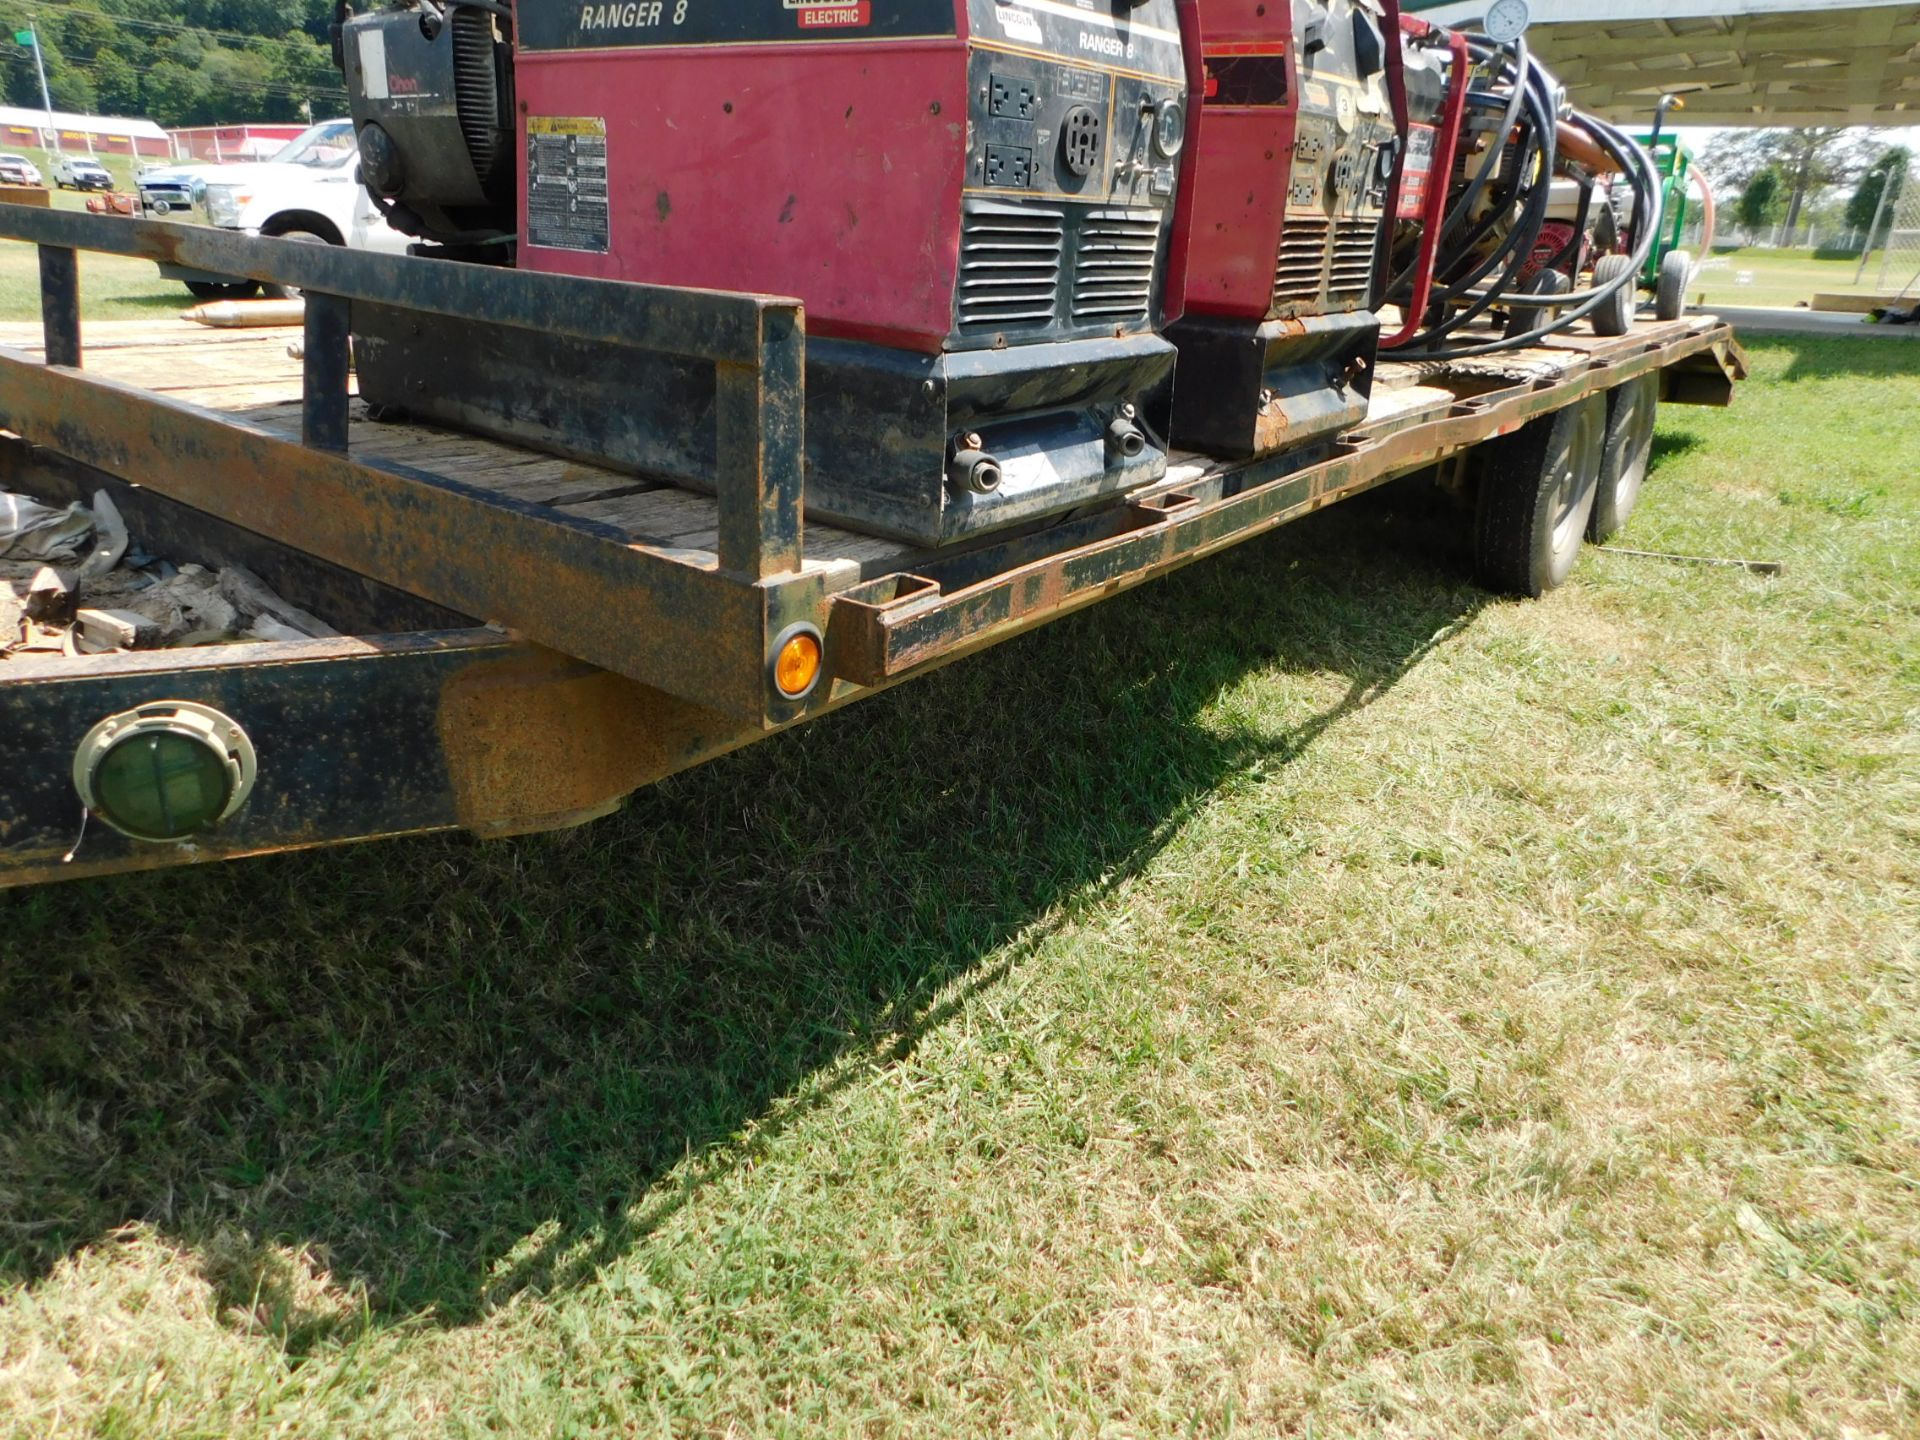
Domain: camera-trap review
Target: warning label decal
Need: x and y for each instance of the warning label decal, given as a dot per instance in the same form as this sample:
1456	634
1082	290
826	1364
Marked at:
567	194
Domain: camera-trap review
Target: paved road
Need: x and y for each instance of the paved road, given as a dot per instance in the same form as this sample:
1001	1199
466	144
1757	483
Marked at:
1753	320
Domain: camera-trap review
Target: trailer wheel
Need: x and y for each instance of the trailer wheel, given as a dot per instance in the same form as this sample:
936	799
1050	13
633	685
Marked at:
1670	289
1615	315
1523	318
1536	493
1624	455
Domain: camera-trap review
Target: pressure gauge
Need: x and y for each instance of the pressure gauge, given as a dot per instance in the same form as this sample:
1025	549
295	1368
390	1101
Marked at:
1170	130
1507	21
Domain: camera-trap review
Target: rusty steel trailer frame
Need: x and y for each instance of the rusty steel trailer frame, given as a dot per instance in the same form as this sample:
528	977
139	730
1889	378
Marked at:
605	664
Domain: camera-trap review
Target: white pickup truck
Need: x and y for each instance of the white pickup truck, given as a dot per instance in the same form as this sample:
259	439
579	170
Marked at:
310	190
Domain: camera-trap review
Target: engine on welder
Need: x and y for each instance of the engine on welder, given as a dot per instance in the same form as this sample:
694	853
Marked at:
972	198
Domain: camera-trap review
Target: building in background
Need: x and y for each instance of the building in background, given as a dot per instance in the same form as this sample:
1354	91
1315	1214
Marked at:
219	144
82	134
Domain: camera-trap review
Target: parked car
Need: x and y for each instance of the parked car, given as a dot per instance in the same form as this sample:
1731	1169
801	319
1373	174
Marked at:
168	189
18	170
309	190
81	172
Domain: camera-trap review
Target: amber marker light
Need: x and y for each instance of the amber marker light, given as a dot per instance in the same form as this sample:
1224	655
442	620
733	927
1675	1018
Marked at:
796	662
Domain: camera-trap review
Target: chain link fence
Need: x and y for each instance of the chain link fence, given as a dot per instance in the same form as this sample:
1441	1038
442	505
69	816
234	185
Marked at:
1898	263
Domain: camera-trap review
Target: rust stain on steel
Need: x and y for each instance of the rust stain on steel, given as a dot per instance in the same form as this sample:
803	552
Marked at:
1270	427
890	641
569	584
540	741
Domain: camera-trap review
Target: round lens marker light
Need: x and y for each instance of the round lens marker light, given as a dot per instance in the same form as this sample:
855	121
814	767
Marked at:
166	771
796	661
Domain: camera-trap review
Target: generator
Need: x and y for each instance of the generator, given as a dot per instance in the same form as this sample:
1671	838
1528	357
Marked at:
1285	190
972	198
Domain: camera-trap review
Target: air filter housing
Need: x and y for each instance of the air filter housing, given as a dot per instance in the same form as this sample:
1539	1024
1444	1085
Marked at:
431	105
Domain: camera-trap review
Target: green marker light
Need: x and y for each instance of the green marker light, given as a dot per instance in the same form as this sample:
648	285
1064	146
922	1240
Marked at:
167	771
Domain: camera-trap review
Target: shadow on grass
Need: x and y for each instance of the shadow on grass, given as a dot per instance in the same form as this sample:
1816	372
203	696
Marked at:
1669	443
458	1070
145	307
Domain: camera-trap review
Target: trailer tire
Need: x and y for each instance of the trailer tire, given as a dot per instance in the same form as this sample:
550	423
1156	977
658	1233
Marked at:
1535	497
1522	318
1670	288
1625	455
1615	315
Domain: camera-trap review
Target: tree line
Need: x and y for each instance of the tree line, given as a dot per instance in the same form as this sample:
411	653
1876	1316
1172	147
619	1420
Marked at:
1794	177
178	62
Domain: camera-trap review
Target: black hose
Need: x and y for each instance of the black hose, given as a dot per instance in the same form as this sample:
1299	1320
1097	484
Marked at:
1536	155
1639	166
1526	75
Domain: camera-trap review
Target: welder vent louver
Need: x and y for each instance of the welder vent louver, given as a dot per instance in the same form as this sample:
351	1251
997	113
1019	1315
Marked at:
1114	268
1302	261
476	88
1009	265
1350	271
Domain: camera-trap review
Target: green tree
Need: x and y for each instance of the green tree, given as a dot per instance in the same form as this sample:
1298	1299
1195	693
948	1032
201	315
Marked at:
1887	172
1760	200
179	62
1809	158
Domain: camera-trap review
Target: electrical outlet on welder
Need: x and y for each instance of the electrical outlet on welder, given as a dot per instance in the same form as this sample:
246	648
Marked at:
1010	165
1012	98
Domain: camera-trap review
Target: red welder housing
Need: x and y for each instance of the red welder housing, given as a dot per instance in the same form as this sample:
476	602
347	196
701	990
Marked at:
971	197
830	171
1233	193
1283	195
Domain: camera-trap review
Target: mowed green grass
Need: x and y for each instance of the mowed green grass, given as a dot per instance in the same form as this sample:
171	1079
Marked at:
1786	278
111	287
1304	996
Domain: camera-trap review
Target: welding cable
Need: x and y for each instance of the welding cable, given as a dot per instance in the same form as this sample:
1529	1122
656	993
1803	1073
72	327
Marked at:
1640	186
1636	161
1573	296
1560	321
1517	246
1536	157
1481	52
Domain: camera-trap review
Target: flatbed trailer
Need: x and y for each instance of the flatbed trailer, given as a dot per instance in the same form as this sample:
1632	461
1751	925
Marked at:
530	638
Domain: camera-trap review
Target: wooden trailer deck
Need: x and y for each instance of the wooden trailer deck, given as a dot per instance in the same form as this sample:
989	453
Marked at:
250	375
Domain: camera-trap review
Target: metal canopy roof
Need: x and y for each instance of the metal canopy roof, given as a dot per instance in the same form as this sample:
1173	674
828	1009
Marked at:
1738	62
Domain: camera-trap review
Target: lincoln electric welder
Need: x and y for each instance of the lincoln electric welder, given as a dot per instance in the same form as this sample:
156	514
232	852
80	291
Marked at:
971	197
1292	152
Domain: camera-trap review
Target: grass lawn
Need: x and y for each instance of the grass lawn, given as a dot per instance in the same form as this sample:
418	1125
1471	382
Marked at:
1784	278
112	288
1303	996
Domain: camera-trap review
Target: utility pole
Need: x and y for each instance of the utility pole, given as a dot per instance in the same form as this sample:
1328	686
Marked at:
46	100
